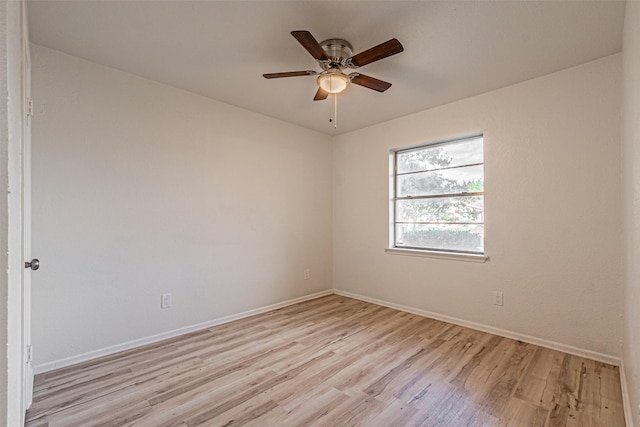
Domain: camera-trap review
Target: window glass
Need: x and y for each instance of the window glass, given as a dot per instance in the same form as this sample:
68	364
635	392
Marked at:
438	197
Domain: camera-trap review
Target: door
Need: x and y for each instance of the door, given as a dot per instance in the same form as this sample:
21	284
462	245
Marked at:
27	352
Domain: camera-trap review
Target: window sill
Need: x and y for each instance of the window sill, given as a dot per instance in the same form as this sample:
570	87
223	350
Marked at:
438	255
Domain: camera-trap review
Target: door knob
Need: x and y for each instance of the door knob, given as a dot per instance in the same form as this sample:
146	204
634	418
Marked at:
34	264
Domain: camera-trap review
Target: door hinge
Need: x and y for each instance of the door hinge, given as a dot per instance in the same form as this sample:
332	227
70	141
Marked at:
30	107
29	353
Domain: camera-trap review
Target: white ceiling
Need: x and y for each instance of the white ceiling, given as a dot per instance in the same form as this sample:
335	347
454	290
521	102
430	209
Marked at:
220	49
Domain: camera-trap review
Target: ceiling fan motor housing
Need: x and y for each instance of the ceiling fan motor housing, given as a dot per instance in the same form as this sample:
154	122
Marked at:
338	50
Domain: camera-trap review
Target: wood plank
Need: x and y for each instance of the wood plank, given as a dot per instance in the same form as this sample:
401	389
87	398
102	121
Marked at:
328	362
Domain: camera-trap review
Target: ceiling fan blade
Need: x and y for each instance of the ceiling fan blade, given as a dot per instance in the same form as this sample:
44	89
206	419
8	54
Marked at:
321	94
370	82
289	74
376	53
310	43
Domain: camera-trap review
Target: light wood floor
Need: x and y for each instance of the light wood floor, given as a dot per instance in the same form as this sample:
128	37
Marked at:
333	361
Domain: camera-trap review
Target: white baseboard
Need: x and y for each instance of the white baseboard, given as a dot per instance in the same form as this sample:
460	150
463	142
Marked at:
605	358
626	400
600	357
49	366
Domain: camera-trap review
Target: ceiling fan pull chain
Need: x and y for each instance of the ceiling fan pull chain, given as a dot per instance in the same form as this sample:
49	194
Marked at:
335	111
330	109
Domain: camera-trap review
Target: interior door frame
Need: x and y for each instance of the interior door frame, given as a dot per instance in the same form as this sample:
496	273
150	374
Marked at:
27	105
13	398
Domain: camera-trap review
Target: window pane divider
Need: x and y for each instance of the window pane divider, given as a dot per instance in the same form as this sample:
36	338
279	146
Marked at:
439	169
442	196
438	223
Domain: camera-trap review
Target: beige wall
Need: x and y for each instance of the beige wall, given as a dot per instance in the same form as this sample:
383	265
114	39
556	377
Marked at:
553	211
141	189
631	150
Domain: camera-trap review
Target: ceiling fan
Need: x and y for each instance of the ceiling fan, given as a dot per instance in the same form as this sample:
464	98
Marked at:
336	55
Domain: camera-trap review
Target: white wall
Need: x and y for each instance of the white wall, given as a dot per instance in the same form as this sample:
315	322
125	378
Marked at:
631	151
553	211
141	189
11	267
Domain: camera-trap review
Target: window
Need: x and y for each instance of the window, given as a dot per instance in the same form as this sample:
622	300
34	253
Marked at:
438	196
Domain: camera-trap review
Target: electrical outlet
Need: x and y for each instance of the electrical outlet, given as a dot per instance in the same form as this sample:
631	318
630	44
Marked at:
497	298
165	301
307	274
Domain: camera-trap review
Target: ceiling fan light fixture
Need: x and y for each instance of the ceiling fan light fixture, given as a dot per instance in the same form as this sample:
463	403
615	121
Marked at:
333	81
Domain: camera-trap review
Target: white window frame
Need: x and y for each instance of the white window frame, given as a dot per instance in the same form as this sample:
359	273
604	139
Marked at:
426	252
